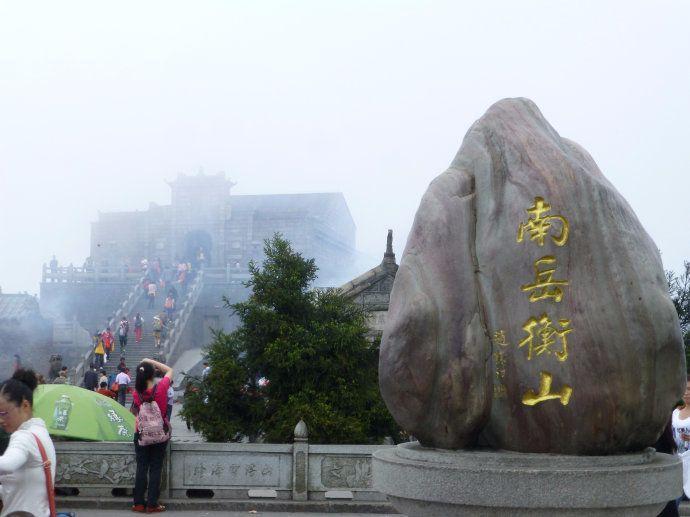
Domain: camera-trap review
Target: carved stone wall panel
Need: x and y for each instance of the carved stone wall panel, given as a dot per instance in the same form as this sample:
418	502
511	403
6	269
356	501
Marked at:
232	470
95	469
346	472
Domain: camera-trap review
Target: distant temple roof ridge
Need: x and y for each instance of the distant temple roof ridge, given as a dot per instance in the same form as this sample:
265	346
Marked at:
320	203
17	305
235	197
386	269
230	228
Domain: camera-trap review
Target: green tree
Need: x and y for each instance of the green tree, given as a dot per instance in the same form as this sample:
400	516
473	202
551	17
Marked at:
311	347
679	289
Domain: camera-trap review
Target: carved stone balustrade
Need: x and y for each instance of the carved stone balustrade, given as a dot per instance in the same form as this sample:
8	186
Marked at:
297	471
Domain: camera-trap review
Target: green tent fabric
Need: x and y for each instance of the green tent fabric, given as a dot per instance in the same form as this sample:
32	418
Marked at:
80	414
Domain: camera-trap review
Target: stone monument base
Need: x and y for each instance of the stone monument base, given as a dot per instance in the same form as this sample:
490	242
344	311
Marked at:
442	483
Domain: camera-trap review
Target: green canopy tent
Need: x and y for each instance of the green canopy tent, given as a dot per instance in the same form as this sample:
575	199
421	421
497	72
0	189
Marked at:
80	414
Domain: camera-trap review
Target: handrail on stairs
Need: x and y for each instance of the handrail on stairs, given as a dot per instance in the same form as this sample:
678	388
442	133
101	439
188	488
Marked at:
169	344
126	307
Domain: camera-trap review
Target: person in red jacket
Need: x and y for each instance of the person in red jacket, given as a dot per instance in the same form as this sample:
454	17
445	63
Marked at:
103	390
108	341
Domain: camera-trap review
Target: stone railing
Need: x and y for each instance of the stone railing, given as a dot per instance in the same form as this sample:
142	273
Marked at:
172	339
228	275
70	333
125	308
76	274
239	471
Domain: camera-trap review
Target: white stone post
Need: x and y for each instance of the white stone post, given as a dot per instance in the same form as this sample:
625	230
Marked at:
300	462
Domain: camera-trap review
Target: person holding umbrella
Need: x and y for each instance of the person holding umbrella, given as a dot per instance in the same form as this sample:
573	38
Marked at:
24	480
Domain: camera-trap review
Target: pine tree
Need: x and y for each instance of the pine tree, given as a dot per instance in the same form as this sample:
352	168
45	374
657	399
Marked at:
298	353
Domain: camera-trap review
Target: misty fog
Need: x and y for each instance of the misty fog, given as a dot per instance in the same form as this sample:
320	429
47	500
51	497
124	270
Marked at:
102	104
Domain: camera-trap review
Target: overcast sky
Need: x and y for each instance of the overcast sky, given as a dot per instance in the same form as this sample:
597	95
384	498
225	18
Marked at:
100	102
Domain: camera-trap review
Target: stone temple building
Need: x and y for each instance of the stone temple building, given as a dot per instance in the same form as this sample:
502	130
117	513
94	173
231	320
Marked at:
228	229
23	331
203	219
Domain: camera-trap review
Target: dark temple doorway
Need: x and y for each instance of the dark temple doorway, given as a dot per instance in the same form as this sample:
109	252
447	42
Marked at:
197	247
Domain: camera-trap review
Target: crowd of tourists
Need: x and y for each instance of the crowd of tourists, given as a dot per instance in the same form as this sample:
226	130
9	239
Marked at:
156	280
28	463
117	385
114	385
157	277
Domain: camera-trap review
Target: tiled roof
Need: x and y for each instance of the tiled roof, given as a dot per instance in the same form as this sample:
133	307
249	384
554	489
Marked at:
367	280
17	306
387	267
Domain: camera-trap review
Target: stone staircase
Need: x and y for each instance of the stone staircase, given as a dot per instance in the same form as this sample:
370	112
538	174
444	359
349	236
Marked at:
135	352
146	348
131	300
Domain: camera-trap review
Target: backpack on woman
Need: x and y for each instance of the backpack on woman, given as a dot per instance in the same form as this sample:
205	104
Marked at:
152	426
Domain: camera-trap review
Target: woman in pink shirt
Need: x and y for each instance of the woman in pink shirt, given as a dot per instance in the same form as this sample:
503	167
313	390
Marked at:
150	457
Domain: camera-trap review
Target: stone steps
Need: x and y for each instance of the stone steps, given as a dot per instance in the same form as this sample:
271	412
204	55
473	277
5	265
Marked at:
124	503
135	352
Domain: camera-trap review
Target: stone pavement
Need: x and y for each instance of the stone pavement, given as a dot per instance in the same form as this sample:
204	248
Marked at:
179	426
185	513
94	512
180	433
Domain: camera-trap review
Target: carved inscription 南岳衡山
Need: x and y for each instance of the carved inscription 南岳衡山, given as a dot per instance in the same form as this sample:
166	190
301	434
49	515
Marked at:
346	472
545	336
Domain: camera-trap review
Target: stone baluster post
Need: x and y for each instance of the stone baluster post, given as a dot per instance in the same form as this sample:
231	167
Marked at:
300	462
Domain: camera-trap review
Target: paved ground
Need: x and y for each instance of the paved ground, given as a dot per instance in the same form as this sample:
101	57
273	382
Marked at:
179	426
181	513
180	432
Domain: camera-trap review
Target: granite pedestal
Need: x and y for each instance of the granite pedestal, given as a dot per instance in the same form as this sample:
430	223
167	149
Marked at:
442	483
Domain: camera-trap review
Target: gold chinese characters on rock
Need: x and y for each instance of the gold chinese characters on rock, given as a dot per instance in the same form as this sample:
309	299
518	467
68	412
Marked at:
545	336
539	224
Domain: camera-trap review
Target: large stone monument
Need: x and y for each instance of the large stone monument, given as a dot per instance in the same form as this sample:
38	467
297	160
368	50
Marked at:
531	345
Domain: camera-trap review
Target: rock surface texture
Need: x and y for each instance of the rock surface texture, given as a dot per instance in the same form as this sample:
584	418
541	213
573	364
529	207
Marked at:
530	311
